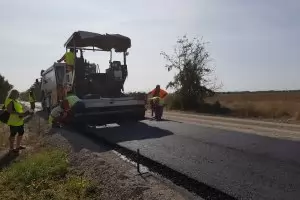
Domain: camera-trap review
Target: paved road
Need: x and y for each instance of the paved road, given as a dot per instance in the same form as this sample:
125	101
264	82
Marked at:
244	165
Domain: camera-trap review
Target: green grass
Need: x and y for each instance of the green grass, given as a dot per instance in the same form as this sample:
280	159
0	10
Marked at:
43	175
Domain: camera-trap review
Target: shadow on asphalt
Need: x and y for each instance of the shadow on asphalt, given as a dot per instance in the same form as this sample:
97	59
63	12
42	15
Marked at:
76	141
189	135
79	142
130	131
112	132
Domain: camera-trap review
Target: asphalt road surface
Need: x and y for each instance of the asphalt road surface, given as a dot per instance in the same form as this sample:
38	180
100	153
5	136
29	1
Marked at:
244	165
240	163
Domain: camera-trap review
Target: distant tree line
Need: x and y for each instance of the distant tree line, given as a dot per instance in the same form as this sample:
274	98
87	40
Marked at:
37	92
5	86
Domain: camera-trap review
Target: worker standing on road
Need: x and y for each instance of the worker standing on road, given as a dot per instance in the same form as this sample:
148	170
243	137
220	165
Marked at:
69	58
15	120
32	99
157	101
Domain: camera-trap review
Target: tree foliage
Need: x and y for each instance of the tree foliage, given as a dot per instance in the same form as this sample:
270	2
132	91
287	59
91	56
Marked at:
5	86
37	92
192	81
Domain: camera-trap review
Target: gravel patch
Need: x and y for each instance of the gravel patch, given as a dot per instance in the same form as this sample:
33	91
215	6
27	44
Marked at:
112	177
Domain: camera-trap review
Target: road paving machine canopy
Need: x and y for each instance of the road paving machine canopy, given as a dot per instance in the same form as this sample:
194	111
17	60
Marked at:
107	42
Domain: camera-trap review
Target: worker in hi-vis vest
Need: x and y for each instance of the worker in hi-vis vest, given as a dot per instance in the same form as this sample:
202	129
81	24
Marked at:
72	104
32	99
15	120
69	58
56	115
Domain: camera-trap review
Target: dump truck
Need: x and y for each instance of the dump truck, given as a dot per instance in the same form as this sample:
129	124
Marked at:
102	93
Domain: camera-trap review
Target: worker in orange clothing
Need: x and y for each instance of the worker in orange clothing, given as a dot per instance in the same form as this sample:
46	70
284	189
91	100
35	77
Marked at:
157	101
157	91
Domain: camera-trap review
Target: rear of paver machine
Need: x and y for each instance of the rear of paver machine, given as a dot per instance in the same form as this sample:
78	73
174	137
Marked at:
101	93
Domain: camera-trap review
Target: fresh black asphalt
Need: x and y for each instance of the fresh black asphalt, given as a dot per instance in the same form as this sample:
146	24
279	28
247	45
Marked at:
246	166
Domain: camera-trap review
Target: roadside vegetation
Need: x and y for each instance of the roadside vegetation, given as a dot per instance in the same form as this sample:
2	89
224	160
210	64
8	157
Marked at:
40	172
196	89
5	86
282	105
43	175
272	104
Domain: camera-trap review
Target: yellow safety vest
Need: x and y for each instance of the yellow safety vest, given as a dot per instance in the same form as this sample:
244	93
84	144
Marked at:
70	58
72	99
31	98
14	119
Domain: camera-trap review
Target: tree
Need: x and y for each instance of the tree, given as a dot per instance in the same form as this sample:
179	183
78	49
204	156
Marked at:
5	86
192	81
36	89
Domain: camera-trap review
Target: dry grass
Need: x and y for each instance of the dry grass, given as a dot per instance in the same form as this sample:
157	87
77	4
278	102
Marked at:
4	133
284	105
268	105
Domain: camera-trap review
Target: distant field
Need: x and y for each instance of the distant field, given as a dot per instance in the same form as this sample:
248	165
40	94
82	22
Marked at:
283	105
259	96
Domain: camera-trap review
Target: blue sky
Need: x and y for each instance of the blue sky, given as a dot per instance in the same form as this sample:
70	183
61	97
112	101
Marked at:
254	44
